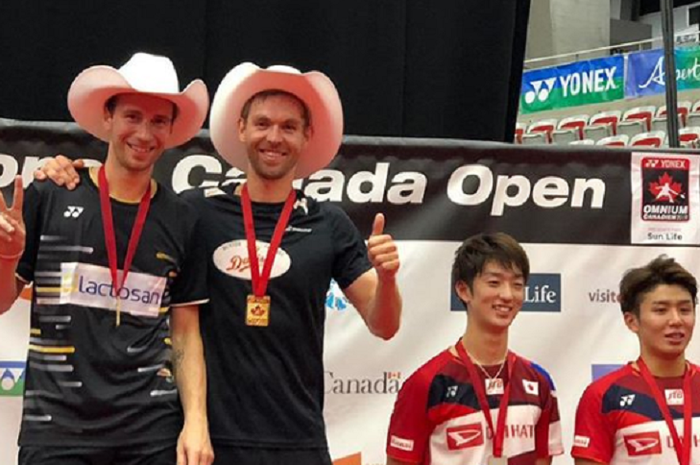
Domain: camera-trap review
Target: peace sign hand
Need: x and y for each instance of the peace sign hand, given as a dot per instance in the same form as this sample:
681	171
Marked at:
12	231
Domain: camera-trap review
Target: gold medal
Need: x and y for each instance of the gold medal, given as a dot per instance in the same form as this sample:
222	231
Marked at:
497	460
258	310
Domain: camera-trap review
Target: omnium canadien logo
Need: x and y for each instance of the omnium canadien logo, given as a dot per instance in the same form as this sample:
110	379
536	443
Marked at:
11	378
665	184
335	299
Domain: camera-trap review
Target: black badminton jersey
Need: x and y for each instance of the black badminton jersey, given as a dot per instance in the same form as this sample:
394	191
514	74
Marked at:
266	383
619	422
437	418
89	381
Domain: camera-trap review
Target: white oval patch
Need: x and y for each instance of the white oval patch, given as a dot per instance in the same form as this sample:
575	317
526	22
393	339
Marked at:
232	259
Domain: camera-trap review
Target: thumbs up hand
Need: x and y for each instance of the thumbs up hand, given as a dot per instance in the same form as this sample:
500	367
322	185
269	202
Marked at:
382	250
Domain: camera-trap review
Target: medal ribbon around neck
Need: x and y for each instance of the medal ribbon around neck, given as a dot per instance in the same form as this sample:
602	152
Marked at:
259	280
682	448
110	239
499	432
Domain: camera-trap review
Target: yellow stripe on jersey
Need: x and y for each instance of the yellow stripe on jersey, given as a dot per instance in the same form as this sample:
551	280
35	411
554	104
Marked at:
52	350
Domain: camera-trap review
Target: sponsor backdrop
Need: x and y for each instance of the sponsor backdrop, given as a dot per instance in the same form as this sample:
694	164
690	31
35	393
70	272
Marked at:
584	216
606	79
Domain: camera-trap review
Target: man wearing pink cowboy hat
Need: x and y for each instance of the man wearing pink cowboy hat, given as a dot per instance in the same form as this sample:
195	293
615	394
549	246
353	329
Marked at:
263	331
263	326
117	283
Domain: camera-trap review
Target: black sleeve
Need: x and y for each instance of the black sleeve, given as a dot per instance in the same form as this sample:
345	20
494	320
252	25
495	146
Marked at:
31	213
190	286
351	259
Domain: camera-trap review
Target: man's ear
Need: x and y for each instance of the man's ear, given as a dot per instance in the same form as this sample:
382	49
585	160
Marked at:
463	291
631	321
241	129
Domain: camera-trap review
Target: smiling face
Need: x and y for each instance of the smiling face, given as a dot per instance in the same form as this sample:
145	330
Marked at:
139	127
275	134
664	323
494	298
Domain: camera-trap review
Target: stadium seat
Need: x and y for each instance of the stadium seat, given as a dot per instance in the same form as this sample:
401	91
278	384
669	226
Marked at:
535	138
545	125
611	117
660	123
620	140
683	110
693	119
583	142
648	139
577	122
690	134
564	136
598	131
519	131
645	113
631	127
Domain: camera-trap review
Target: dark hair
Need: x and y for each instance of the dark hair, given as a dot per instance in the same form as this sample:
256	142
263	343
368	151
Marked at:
305	113
475	252
111	105
639	281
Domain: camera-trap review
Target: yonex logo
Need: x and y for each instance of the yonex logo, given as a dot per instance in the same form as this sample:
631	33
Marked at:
73	212
452	391
626	400
540	90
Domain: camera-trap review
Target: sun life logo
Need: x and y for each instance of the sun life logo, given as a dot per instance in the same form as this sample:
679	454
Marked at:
11	378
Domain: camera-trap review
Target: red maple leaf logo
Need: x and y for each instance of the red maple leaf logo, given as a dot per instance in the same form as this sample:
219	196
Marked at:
665	189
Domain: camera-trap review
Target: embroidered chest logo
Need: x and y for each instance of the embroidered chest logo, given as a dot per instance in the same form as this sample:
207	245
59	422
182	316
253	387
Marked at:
73	211
626	401
465	436
643	443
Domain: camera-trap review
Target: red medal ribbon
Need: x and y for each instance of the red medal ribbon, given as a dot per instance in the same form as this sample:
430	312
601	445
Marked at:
682	448
499	433
259	281
110	239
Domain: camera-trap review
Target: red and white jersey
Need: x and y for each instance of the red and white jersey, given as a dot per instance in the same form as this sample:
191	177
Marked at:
618	422
437	418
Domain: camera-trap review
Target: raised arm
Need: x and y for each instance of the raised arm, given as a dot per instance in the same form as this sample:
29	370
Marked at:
12	240
61	170
375	294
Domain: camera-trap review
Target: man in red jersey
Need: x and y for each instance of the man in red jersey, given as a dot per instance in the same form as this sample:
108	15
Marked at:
643	412
477	402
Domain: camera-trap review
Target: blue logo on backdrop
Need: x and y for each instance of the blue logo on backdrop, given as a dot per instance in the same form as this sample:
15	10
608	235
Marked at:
645	74
542	294
598	371
335	299
11	378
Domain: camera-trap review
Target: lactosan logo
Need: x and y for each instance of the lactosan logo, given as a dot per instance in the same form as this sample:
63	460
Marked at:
12	378
542	294
388	382
600	370
91	286
232	259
